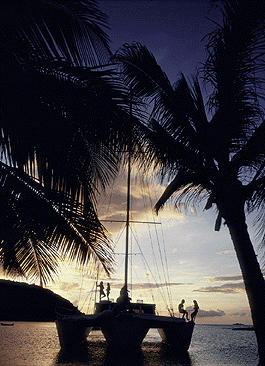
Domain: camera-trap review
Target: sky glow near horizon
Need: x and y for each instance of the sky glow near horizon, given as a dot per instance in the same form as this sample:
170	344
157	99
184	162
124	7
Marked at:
201	263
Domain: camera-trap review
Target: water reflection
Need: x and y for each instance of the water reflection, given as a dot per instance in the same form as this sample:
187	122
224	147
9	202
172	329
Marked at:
80	356
150	354
170	356
131	358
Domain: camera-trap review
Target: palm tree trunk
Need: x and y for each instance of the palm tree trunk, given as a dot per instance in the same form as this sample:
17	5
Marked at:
252	275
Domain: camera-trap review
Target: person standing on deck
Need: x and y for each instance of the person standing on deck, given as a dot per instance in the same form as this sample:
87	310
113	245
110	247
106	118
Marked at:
108	290
101	290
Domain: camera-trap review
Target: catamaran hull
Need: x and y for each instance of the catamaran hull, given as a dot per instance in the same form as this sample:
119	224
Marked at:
177	335
124	333
73	333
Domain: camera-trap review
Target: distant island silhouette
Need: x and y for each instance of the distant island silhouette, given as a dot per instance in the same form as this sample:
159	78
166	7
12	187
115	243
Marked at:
23	302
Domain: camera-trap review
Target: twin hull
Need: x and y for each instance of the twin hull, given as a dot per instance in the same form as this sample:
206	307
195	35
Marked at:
124	331
73	333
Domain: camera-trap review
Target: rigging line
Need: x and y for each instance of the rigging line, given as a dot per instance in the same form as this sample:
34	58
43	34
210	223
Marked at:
133	221
150	236
123	254
154	256
81	288
169	288
149	283
120	265
157	286
96	286
148	277
84	273
151	241
165	269
110	198
90	294
166	266
88	274
119	237
131	260
92	291
85	300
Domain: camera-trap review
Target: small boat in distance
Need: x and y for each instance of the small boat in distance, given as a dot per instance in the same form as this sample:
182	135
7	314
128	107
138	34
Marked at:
243	327
7	324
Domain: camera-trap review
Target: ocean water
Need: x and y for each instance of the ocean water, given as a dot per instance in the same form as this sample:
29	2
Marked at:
37	344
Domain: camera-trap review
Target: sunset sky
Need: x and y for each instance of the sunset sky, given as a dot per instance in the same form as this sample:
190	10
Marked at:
201	263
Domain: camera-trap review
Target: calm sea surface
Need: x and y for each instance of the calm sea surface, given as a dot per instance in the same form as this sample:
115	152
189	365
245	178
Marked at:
37	344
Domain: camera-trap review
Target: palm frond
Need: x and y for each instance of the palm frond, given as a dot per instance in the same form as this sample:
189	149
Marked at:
58	145
55	30
180	180
39	224
175	114
233	67
172	152
252	154
178	109
185	194
141	72
144	77
255	201
172	105
43	98
198	112
66	103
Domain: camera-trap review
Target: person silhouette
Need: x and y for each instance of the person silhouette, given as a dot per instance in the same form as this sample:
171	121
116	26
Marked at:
195	312
182	310
108	290
101	290
124	295
123	301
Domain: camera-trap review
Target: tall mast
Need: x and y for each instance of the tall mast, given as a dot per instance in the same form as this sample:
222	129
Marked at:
128	204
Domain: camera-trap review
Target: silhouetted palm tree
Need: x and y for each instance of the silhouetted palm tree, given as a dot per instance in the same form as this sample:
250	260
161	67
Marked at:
217	155
59	109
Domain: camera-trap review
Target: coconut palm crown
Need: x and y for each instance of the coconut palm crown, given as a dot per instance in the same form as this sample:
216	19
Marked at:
59	113
213	149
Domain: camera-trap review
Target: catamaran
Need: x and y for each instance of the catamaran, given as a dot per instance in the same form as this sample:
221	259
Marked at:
124	323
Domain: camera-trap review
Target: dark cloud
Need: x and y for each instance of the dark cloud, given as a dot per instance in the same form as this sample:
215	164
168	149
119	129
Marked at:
147	286
226	278
140	286
207	313
210	313
113	204
244	313
228	288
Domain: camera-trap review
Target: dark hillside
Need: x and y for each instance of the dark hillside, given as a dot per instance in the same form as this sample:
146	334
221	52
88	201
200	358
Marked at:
23	302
